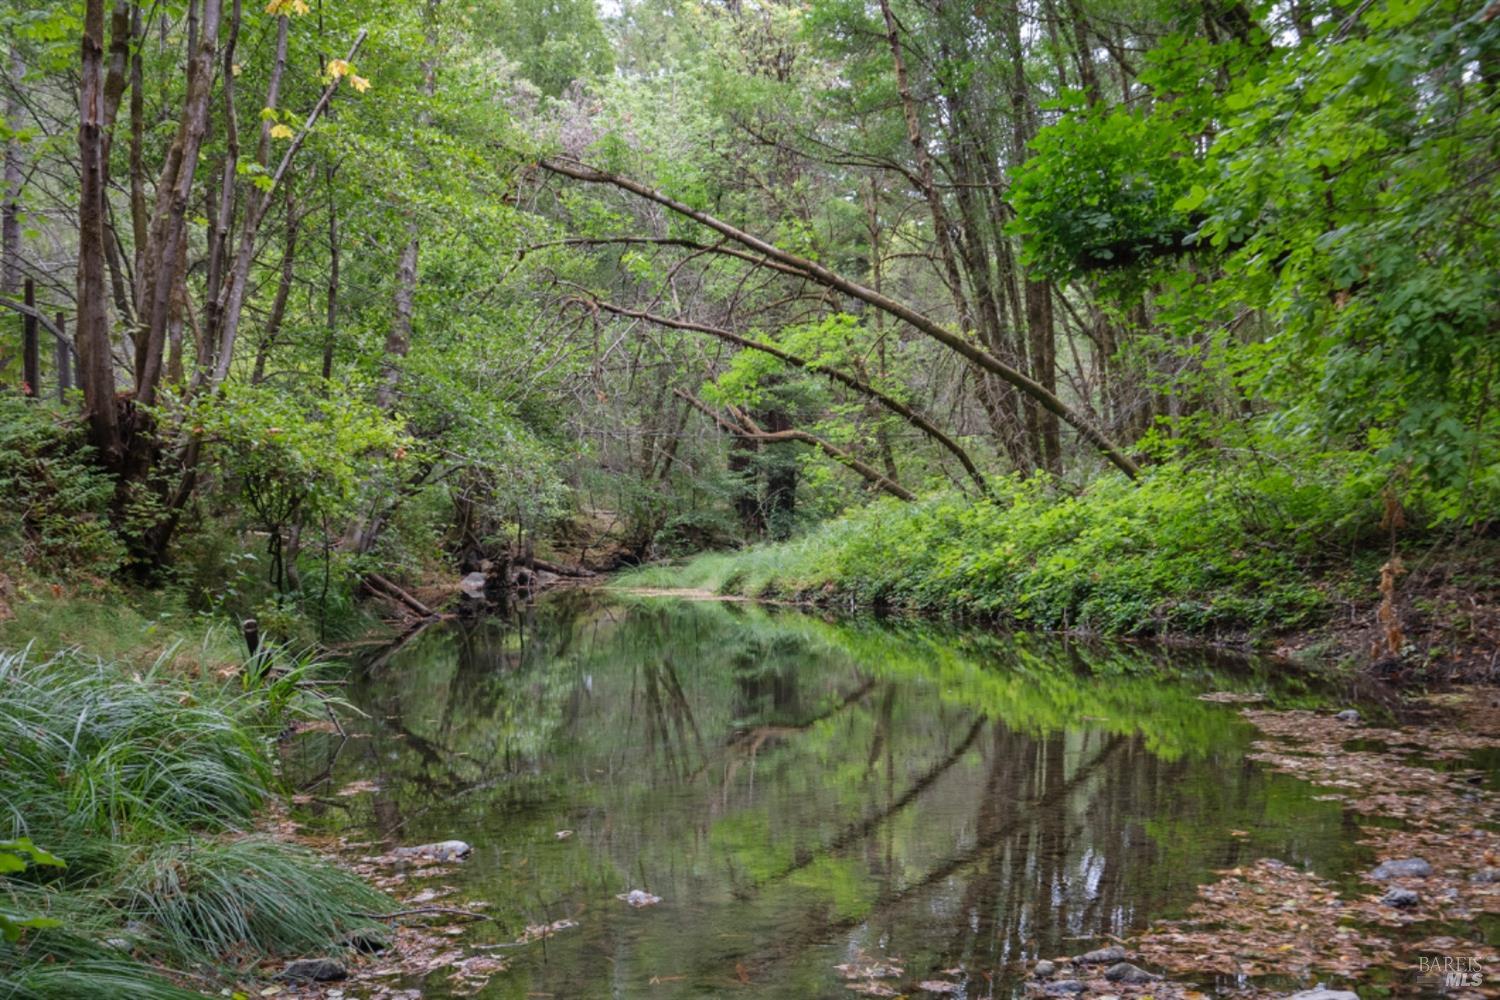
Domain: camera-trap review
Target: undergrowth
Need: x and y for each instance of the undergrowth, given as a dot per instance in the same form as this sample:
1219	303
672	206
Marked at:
1184	550
128	800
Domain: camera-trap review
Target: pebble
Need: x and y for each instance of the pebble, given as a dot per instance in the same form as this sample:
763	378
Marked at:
1044	969
1124	972
318	970
1348	715
1486	876
638	898
443	850
1401	899
1064	987
1101	956
1402	868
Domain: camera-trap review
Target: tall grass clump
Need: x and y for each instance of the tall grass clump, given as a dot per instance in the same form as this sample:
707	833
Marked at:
250	896
93	755
126	797
1184	549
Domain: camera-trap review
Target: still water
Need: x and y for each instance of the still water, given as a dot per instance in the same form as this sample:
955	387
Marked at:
804	793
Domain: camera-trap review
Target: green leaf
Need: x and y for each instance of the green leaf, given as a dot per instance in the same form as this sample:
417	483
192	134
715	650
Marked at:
1196	196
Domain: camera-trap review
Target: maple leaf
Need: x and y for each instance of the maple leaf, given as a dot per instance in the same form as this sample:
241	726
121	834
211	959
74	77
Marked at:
359	83
281	132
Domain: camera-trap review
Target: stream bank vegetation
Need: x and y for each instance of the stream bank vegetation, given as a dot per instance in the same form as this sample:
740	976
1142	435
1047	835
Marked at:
139	872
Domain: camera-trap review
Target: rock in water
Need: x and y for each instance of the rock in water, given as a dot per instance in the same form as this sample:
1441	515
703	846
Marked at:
1402	868
1401	899
473	586
1065	987
1044	969
1102	956
1320	993
443	850
1348	715
316	970
1124	972
639	898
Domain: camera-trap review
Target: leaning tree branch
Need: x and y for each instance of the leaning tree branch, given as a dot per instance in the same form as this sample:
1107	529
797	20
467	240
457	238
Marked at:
36	314
832	279
747	430
897	407
666	241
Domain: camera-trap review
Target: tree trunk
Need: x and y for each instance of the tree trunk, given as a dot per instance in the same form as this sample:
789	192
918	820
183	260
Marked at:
93	340
166	240
10	213
31	348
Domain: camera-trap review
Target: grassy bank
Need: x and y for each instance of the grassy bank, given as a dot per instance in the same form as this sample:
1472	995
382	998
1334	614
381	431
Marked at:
129	865
1185	551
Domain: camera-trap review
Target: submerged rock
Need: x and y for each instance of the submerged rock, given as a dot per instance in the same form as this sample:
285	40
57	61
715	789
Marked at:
639	898
317	970
1064	987
443	850
1401	899
1124	972
1321	993
1402	868
1102	956
1044	969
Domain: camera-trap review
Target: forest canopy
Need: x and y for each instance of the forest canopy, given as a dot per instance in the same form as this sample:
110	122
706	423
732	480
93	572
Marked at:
405	285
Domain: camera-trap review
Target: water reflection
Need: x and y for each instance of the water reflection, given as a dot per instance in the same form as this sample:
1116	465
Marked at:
800	791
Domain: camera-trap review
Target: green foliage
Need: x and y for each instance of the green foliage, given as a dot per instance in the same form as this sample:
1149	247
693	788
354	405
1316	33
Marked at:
205	899
98	757
1188	549
143	781
293	454
54	500
15	856
1336	192
1106	189
555	42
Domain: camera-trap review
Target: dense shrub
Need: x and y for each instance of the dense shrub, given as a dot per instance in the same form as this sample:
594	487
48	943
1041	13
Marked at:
54	501
1185	549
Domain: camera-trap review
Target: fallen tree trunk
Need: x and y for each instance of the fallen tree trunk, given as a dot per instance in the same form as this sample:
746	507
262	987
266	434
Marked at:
577	572
382	586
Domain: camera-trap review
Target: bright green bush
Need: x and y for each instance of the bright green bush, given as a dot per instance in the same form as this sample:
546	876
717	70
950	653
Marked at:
1185	550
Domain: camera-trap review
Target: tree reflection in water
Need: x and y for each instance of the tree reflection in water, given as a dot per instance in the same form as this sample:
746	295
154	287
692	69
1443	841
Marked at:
796	789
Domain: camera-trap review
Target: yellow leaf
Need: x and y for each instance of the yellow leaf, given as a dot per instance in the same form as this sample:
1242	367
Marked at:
359	83
281	132
337	68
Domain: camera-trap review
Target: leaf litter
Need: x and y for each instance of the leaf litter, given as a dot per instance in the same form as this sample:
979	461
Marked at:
1272	919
